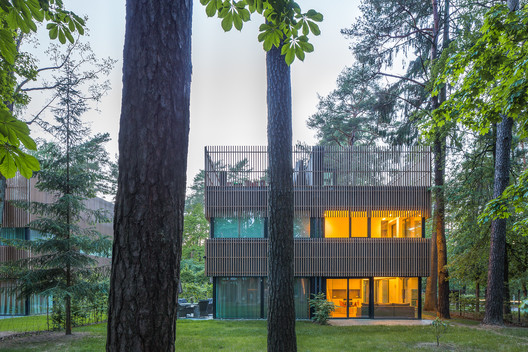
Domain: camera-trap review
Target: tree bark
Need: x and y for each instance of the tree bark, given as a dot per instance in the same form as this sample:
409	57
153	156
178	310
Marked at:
153	143
477	297
431	288
281	308
495	287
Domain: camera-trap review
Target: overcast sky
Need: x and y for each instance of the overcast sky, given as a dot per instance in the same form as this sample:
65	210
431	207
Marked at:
228	92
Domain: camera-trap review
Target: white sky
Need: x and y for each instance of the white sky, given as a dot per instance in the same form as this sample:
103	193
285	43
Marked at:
228	93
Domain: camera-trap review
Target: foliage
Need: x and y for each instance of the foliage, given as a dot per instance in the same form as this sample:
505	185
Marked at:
74	169
284	22
356	112
85	309
490	77
439	329
18	18
322	308
195	285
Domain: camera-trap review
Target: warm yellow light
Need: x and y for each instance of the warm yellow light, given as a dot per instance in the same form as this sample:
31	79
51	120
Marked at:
384	219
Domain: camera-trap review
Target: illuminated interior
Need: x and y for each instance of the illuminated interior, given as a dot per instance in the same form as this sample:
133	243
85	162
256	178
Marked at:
341	225
350	297
396	297
396	227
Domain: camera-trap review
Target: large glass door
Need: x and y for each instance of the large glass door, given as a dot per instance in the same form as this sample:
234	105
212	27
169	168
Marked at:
350	297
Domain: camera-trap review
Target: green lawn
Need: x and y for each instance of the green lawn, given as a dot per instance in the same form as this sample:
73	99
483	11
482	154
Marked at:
23	324
214	335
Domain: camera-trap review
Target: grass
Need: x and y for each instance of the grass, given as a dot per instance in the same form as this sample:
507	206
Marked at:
215	335
23	324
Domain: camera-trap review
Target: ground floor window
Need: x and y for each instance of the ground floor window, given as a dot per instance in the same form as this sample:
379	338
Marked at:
396	297
12	304
246	297
392	297
350	297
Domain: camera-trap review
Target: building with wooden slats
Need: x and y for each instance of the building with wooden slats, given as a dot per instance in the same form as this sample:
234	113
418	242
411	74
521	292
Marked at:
14	225
359	228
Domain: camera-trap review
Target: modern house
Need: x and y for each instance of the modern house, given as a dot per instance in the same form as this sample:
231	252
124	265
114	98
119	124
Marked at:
359	228
15	226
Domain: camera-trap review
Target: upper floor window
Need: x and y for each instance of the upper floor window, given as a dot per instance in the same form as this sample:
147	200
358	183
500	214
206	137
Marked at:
244	227
396	227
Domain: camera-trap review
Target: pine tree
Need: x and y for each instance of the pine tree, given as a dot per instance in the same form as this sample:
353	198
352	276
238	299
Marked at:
75	168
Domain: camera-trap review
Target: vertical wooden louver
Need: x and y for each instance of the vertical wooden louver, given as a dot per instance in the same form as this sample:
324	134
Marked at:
375	180
330	257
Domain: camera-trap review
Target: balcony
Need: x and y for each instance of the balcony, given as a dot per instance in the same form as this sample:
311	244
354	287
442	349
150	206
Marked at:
328	257
377	181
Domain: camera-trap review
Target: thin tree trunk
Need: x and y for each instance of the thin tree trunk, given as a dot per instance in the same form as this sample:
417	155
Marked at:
495	287
477	297
153	143
281	308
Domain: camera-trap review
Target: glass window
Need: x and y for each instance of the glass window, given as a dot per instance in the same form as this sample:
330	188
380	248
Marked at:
238	297
336	224
396	297
301	227
225	227
252	227
246	227
350	297
359	227
301	292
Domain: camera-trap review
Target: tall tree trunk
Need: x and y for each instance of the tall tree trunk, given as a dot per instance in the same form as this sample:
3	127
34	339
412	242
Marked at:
440	150
153	143
507	302
495	287
431	288
281	308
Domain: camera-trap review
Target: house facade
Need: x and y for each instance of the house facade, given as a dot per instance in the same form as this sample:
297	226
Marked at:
359	229
15	226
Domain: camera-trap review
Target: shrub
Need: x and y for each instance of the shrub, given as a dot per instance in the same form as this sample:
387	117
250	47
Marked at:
439	328
322	308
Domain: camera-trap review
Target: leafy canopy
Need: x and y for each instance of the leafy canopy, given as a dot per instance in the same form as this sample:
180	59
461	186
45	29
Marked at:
285	22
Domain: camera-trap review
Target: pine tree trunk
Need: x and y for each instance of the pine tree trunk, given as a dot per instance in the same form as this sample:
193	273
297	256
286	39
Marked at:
67	312
495	287
430	302
281	308
153	142
507	302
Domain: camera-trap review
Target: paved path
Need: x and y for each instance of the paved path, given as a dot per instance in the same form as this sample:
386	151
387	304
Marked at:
392	322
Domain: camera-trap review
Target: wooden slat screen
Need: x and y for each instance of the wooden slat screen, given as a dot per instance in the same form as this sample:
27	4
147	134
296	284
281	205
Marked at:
330	257
380	180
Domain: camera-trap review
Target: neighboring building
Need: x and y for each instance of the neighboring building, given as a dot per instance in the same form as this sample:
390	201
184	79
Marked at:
14	226
359	228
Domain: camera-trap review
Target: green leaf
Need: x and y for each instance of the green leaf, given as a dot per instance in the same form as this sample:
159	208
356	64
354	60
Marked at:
299	53
7	46
7	164
290	55
244	14
68	35
237	21
314	28
227	22
62	37
53	30
210	9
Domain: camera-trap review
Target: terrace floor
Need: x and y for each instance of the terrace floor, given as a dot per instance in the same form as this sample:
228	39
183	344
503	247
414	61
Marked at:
387	322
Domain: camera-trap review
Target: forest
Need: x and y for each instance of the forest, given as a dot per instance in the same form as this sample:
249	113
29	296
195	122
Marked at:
450	75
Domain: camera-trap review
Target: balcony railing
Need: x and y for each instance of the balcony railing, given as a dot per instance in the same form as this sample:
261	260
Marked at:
330	257
379	180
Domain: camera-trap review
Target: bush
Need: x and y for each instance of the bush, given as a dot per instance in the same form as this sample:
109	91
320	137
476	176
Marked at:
322	308
439	328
